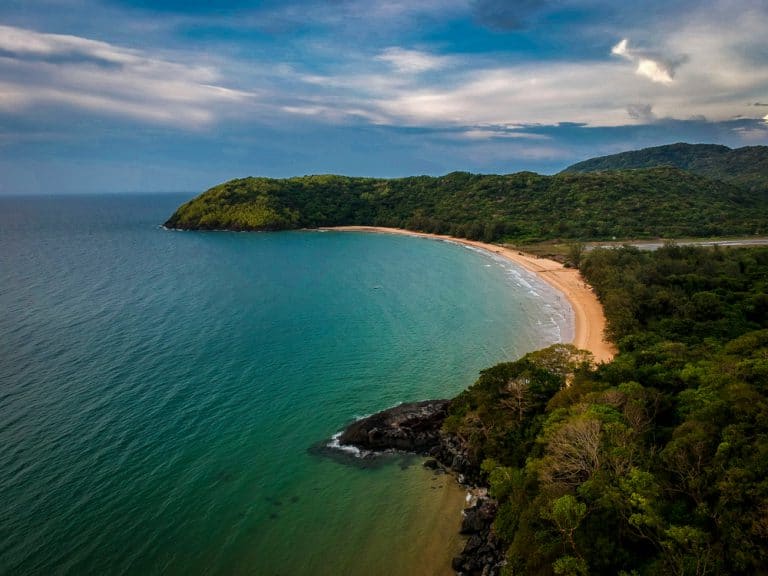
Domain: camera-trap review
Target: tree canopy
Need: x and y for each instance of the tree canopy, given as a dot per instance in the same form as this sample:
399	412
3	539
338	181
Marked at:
655	463
525	207
745	167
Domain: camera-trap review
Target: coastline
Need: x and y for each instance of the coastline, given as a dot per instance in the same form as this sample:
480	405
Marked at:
589	319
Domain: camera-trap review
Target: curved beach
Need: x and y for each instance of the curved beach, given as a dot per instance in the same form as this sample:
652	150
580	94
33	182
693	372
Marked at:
589	319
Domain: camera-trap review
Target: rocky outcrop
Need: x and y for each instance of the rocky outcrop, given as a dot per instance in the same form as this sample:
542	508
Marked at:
412	427
416	427
452	453
482	554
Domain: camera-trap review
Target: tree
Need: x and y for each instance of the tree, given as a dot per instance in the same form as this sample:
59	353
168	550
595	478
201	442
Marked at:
688	552
575	253
518	398
566	514
572	453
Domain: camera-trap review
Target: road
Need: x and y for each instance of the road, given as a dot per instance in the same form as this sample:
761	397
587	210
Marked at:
656	244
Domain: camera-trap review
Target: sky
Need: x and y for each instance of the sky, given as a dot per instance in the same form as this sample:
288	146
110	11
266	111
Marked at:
179	95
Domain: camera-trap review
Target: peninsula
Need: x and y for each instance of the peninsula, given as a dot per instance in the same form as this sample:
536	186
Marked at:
655	201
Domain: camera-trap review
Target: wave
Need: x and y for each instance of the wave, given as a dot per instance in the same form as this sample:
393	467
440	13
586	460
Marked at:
335	444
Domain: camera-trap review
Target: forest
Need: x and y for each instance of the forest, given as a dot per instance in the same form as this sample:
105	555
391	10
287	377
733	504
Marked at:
656	202
746	167
655	463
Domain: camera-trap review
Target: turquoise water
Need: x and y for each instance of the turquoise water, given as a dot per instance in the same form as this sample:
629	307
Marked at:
160	391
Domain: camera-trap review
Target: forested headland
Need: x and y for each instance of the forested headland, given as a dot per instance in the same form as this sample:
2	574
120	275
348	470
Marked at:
655	463
658	201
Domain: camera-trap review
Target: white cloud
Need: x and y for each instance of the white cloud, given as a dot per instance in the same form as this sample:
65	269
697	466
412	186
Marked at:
621	48
26	42
525	94
705	66
655	70
491	132
701	62
412	61
54	69
722	73
641	112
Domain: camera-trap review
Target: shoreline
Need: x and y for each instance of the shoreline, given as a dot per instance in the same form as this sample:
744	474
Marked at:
589	319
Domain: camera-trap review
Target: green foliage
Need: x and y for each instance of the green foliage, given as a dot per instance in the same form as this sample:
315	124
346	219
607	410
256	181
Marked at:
688	552
501	414
570	566
678	293
653	464
566	514
575	254
523	207
746	167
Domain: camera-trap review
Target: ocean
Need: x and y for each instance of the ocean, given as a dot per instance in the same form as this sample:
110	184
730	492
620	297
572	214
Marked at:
165	396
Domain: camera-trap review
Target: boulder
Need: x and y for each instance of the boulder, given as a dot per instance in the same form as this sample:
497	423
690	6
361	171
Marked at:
412	427
479	517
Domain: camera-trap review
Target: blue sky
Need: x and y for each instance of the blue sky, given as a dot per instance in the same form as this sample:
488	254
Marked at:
140	95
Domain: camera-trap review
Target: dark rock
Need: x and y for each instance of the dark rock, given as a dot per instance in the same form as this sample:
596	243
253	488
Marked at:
452	453
479	517
474	544
482	554
413	427
416	427
471	523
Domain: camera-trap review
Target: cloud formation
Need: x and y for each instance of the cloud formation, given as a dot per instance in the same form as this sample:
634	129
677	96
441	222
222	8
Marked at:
412	61
41	69
292	86
655	69
641	112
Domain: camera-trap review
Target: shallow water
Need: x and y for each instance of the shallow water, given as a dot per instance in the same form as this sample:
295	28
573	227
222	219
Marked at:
160	391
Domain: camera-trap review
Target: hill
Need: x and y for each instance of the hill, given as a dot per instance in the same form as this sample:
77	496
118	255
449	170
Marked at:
523	207
746	167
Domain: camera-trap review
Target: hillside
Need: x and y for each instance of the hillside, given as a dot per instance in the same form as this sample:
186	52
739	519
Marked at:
656	463
522	207
746	167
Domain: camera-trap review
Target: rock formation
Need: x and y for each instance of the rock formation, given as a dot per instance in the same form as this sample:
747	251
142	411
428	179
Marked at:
412	427
417	427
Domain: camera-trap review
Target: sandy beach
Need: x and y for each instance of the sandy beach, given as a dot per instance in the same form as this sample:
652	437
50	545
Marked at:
589	320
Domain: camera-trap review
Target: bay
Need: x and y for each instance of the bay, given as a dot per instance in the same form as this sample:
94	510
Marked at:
161	392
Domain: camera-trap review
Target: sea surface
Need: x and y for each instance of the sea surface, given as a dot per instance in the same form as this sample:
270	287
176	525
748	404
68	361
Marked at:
164	395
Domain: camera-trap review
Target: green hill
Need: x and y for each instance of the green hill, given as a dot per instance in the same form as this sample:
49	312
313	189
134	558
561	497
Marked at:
523	207
746	167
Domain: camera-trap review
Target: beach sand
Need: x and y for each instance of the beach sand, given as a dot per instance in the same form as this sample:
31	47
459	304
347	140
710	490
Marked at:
589	320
